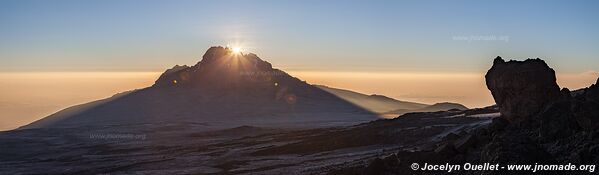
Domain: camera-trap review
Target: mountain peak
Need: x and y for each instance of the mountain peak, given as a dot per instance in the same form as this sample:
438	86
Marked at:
220	65
215	53
226	55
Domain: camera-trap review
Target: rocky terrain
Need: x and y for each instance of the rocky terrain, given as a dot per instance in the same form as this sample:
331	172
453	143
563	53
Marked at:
190	149
539	123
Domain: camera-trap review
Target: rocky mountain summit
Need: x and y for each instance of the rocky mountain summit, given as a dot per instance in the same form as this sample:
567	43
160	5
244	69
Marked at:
221	68
538	123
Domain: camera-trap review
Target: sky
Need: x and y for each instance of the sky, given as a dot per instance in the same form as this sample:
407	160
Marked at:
147	35
424	51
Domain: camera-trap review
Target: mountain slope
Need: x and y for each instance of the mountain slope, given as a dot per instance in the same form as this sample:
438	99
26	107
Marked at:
375	103
386	105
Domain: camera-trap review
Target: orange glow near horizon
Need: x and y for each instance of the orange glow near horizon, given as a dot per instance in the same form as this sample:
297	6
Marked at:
29	96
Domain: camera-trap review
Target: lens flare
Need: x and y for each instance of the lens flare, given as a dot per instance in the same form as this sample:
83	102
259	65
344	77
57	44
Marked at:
236	50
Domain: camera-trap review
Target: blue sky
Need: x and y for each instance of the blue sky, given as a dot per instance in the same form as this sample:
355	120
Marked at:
145	35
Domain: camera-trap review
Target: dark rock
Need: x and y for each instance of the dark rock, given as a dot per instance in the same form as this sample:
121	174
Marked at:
514	147
383	165
451	136
482	135
591	156
377	166
446	150
586	113
485	110
392	160
565	93
464	143
521	88
592	92
497	124
557	121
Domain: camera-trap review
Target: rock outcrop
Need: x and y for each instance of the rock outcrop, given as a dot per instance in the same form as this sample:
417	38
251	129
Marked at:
538	124
547	121
521	88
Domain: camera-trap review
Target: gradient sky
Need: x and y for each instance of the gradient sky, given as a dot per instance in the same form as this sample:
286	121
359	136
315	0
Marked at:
146	35
55	54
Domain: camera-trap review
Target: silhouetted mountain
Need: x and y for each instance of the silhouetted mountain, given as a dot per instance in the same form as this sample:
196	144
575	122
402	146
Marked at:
224	87
445	106
386	105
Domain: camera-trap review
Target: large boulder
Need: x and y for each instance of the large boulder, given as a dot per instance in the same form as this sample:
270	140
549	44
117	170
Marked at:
521	89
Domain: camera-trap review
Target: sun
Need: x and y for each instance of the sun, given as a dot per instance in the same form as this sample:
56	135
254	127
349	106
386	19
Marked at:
236	50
